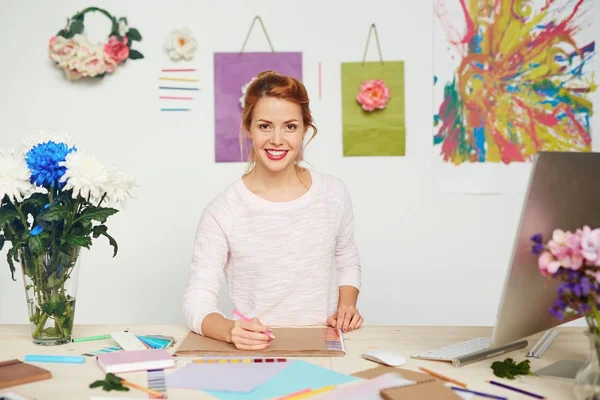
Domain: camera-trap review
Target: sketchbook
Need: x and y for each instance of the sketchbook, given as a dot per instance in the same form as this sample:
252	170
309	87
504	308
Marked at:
288	342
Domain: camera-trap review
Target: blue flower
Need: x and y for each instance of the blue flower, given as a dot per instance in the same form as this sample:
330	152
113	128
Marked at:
43	162
537	238
556	312
537	248
36	230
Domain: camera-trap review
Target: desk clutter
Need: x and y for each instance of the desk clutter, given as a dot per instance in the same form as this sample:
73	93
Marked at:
200	364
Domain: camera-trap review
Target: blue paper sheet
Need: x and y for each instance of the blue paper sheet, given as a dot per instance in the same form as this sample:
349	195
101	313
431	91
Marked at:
297	376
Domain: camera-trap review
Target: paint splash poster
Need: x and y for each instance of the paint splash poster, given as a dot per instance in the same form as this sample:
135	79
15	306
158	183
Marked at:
511	78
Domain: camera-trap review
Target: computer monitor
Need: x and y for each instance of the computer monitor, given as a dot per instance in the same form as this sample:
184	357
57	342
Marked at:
563	193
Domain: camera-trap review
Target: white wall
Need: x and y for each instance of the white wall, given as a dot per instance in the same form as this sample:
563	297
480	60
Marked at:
428	258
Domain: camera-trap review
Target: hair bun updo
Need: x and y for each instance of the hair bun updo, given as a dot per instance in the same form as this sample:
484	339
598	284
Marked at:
266	73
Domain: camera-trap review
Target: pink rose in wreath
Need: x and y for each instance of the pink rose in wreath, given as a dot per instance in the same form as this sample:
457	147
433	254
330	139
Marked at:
373	95
117	49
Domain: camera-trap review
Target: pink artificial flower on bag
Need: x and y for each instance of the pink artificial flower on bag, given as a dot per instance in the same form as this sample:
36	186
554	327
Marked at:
373	95
117	49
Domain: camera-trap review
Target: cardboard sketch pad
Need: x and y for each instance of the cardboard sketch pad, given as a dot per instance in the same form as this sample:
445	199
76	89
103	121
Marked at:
288	342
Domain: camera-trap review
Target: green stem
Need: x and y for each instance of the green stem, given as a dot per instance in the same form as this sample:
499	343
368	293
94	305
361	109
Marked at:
594	327
40	326
101	199
92	9
68	226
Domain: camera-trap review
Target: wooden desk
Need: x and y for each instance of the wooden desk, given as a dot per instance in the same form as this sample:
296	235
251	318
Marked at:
71	381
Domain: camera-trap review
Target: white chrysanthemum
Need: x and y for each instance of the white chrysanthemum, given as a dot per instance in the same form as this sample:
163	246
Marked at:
46	136
243	98
181	44
118	187
85	174
14	176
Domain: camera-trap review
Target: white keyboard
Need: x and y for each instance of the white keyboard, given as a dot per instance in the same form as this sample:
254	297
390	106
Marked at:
457	350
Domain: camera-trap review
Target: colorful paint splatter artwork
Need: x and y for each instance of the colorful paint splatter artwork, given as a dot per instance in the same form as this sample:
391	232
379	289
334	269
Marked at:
512	78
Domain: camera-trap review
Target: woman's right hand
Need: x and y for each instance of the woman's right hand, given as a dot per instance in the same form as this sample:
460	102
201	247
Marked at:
251	335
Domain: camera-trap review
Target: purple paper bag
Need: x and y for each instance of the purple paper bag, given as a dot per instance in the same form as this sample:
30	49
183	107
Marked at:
232	71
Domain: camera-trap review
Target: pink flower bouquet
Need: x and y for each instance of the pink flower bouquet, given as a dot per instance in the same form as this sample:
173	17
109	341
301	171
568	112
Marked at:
373	95
574	259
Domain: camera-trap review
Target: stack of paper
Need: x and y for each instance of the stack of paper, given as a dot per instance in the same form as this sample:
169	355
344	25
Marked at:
250	381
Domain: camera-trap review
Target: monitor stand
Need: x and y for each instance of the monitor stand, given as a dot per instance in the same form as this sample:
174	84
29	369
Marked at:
564	369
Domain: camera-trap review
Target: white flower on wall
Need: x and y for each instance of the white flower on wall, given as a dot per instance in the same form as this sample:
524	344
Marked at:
181	44
242	99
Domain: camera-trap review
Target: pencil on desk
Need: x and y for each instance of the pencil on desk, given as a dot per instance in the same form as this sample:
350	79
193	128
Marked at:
143	389
481	394
502	385
442	377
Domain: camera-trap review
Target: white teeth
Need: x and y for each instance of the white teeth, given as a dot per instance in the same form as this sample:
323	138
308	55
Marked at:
276	153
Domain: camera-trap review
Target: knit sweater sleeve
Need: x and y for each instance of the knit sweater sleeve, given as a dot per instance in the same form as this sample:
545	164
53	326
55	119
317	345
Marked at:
206	272
346	251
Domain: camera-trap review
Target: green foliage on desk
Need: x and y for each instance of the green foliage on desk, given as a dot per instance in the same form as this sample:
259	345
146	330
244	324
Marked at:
509	369
110	382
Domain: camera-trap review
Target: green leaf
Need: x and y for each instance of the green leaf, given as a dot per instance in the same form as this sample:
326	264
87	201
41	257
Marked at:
2	241
34	204
99	230
99	214
114	379
76	27
134	34
35	245
135	55
509	369
112	242
123	19
7	216
54	213
64	33
110	382
11	264
83	241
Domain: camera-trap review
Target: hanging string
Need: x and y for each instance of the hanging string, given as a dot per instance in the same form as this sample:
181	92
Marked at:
250	30
372	28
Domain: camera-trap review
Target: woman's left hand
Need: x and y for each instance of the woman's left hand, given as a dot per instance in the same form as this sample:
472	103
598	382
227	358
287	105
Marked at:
347	318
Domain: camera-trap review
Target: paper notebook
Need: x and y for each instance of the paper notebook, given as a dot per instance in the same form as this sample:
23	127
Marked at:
425	386
16	372
288	342
135	360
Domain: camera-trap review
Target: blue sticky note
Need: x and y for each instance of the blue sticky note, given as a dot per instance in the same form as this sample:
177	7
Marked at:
297	376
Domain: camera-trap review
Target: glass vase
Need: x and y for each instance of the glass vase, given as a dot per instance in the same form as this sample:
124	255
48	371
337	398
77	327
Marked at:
50	281
587	380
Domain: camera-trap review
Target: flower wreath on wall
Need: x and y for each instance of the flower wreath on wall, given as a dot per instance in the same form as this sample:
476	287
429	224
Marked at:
71	50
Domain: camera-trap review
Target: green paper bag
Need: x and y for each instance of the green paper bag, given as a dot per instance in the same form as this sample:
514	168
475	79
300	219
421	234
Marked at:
380	132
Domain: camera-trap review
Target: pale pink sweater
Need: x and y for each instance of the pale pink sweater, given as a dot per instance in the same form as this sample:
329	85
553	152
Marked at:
283	261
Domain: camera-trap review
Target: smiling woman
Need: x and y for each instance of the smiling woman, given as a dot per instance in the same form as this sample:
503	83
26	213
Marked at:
281	234
276	119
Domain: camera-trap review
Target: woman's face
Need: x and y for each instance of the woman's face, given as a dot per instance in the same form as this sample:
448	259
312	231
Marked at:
277	132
